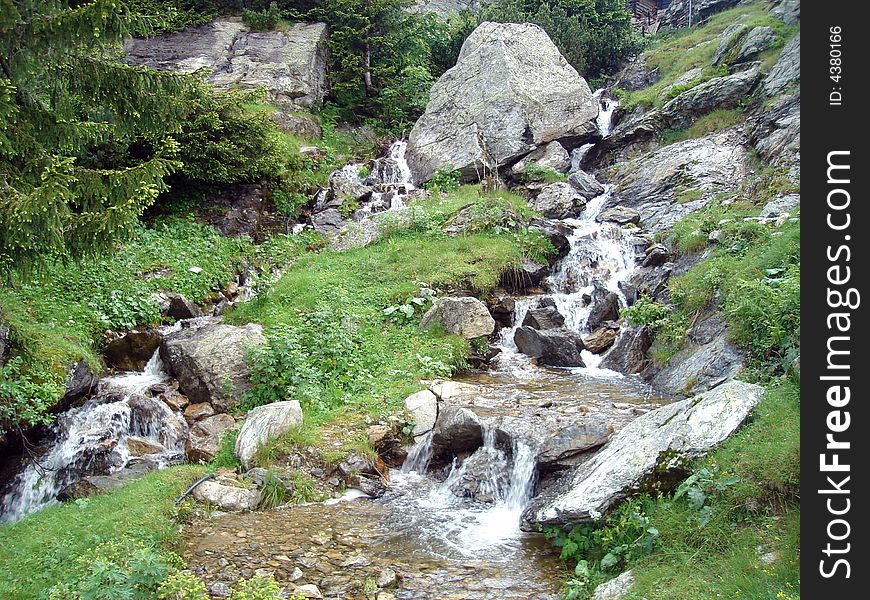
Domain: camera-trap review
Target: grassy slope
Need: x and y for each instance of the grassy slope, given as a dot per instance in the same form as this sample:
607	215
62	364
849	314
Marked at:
41	550
676	52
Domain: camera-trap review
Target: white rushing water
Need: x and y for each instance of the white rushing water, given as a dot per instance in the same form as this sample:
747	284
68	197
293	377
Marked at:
92	439
456	525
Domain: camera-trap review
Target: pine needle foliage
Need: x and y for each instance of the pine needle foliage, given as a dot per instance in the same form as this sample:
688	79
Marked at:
66	101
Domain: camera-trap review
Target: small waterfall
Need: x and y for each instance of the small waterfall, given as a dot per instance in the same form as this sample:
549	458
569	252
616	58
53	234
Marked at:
605	112
92	440
419	456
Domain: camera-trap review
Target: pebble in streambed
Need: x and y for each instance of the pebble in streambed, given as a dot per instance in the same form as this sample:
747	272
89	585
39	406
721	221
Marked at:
347	549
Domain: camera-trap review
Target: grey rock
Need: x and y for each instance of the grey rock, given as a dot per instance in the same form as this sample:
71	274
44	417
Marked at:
605	307
209	362
554	347
787	70
445	8
558	201
781	204
729	40
204	439
301	125
456	430
510	92
656	256
264	424
757	41
483	477
328	222
463	316
585	183
706	360
637	75
94	485
677	13
651	281
716	93
787	11
615	589
387	579
628	354
660	443
80	383
685	80
290	64
359	234
777	134
544	316
573	440
622	215
551	156
133	350
181	308
557	233
655	183
227	495
423	407
238	210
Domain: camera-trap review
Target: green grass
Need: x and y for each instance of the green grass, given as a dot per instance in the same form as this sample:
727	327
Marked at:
719	119
675	52
40	551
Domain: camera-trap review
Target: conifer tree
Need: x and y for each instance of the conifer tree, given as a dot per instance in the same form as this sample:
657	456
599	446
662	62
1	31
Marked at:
67	104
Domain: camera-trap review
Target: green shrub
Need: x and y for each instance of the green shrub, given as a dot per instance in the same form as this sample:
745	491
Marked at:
274	491
258	587
262	20
226	456
667	326
182	586
24	401
444	181
535	172
313	359
606	547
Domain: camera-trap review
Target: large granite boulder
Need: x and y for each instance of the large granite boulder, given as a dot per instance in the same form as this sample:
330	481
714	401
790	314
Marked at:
657	445
264	424
706	360
423	408
290	64
209	362
558	201
228	494
510	92
463	316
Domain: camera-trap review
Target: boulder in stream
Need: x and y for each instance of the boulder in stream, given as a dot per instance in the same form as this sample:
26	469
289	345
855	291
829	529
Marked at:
228	494
554	347
423	407
658	445
209	362
558	200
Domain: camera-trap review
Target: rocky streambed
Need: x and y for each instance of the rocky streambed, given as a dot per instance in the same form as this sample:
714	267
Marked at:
449	531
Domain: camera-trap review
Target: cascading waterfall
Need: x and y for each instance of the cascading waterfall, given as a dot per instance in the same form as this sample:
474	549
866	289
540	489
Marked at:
92	439
601	253
503	482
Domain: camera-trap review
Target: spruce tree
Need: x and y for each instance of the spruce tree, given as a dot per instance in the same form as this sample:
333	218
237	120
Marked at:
70	183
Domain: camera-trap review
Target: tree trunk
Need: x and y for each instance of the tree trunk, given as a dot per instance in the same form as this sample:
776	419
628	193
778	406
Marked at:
367	72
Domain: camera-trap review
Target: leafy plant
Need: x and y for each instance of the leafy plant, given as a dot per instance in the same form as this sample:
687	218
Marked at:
405	313
258	587
444	181
262	20
535	172
226	456
699	486
182	586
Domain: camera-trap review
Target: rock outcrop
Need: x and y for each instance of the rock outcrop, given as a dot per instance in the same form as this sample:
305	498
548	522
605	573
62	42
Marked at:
719	92
667	184
209	362
657	445
554	347
290	64
264	424
510	92
787	70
